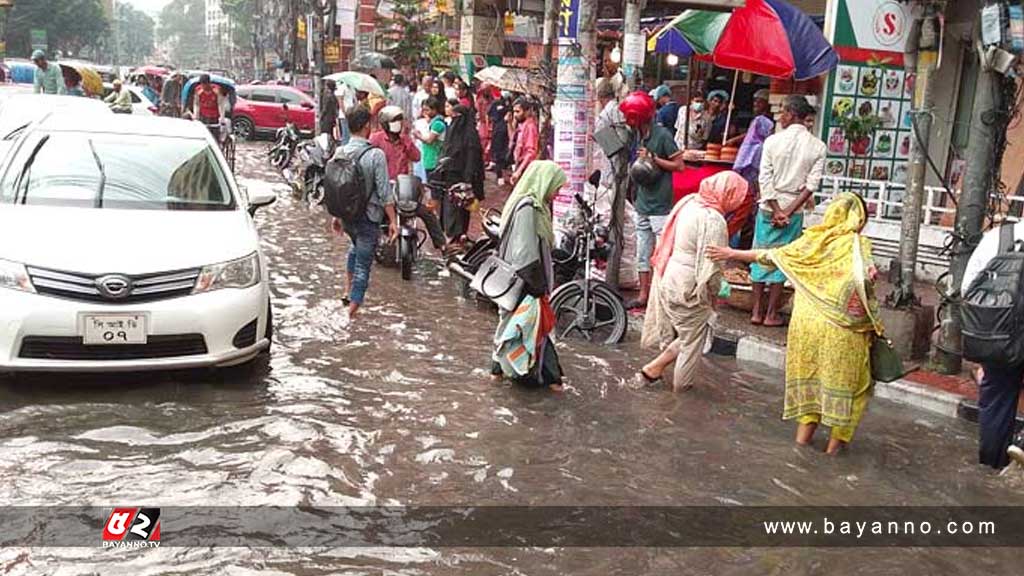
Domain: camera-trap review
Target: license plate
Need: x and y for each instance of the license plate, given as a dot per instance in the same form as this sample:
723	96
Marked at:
114	329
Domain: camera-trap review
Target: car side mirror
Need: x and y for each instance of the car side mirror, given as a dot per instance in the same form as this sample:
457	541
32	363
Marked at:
261	199
284	106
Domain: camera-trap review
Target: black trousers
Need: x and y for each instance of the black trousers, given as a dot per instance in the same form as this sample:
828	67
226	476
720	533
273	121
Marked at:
997	404
455	219
433	226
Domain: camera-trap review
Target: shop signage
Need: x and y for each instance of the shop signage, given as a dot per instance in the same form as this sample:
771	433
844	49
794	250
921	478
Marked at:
568	20
872	25
332	52
870	36
38	37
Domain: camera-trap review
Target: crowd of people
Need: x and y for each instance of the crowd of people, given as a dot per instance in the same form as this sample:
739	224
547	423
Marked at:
751	214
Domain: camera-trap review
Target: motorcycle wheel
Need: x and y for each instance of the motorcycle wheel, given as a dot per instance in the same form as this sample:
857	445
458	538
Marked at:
406	256
602	320
279	158
315	195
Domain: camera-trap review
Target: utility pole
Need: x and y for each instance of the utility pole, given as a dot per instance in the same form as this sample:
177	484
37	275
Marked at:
631	35
979	177
550	35
921	57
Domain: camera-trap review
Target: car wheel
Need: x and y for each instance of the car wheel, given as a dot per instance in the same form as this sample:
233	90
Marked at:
244	128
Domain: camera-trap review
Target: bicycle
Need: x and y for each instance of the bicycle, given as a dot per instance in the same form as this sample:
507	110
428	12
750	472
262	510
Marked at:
226	141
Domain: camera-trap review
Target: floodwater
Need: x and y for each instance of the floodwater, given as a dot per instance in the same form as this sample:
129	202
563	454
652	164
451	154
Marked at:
398	409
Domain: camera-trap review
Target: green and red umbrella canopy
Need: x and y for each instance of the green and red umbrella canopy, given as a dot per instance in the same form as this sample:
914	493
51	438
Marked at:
767	37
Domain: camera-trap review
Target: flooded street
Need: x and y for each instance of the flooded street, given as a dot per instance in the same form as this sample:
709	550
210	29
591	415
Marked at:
398	409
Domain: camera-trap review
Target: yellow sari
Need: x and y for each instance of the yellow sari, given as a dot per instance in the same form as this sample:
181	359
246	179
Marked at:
828	370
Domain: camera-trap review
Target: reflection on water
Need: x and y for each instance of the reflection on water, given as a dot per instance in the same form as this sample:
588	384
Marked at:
397	409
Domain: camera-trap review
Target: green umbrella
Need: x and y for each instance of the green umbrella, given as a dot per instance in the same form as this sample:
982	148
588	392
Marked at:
359	82
701	28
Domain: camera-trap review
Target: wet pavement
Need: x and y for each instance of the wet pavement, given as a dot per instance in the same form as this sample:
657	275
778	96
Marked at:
398	409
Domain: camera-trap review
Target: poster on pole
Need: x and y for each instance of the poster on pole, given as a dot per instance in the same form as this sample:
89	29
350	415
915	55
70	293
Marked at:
571	119
568	21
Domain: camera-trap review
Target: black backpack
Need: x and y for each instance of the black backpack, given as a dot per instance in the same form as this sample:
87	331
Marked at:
992	312
344	186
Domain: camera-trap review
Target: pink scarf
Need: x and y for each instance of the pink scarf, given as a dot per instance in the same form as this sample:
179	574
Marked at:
724	192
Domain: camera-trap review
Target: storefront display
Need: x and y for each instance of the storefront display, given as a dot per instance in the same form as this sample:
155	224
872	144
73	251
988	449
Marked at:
870	81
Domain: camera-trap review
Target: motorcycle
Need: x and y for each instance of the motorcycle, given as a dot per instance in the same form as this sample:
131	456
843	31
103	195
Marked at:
286	141
584	306
404	252
313	156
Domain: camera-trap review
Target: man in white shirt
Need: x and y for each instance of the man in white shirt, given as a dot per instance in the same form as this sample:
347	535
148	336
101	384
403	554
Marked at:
792	165
422	93
1000	385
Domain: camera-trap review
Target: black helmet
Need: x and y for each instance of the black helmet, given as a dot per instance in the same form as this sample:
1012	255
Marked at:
644	172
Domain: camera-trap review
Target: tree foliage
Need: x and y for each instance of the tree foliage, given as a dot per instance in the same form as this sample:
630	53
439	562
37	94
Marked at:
72	26
135	31
183	29
406	31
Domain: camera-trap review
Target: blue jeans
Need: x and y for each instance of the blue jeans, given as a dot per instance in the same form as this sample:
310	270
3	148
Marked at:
997	410
364	235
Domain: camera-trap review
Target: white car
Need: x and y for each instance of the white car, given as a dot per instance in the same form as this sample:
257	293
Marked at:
125	244
141	106
19	109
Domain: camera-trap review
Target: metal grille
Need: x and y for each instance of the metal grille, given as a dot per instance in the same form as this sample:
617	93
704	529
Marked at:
82	287
72	348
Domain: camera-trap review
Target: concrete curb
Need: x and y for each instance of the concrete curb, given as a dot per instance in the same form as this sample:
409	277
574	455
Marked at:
750	349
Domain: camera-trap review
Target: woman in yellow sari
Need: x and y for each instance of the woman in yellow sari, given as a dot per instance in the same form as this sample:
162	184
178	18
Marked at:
828	370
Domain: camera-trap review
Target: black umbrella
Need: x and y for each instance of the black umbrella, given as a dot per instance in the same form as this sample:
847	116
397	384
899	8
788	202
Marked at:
373	61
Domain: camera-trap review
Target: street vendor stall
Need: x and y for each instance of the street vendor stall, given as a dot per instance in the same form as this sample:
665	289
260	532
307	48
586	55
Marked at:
765	37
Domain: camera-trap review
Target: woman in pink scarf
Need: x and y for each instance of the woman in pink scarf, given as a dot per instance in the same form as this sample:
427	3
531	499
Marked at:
685	282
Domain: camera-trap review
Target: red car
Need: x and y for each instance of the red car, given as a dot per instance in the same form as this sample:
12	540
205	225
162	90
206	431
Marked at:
262	109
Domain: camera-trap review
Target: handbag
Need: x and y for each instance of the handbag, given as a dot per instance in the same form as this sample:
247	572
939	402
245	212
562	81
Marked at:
886	364
497	280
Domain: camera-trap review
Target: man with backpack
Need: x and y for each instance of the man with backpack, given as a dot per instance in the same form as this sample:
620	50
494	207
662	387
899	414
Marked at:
993	318
359	197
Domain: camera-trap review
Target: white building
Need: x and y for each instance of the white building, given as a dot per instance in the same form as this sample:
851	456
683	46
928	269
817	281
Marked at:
218	33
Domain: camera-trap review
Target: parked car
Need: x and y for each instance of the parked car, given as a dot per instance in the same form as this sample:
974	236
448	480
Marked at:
263	109
141	106
125	244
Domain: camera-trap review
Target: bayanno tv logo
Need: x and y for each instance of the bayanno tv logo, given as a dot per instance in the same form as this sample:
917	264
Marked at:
132	528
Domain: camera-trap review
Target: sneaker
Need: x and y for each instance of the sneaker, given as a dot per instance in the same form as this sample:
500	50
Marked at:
1016	454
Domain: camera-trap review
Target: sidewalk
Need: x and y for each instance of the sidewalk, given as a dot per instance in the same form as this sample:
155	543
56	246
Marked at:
954	396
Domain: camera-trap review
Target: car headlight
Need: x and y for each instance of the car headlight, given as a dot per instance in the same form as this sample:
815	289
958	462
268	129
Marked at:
15	277
241	273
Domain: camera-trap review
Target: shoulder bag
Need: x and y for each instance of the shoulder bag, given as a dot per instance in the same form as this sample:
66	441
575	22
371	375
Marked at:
886	364
498	281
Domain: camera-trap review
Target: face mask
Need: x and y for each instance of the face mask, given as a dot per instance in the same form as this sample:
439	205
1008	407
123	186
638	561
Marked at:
506	94
395	126
697	106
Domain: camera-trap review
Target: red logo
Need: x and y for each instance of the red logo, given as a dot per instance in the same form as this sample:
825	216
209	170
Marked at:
132	527
890	23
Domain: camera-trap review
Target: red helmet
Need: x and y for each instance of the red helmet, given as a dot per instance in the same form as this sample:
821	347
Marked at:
638	108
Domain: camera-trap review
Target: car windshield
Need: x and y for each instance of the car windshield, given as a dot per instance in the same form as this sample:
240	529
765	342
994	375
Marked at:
116	171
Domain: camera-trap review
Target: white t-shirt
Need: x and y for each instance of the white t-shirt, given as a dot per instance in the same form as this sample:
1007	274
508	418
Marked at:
987	249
